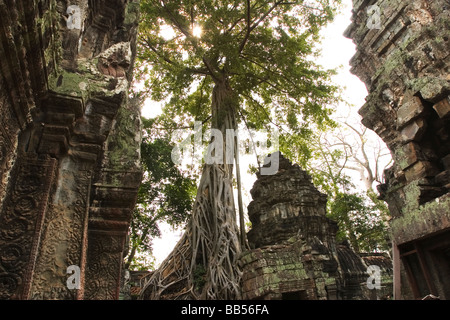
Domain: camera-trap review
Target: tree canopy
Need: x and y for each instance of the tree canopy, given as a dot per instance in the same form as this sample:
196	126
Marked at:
265	49
166	195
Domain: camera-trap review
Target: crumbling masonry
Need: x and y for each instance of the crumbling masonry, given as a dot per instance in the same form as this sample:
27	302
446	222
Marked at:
403	57
69	146
294	252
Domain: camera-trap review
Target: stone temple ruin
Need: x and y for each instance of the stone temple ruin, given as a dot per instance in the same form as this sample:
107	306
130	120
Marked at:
70	171
403	57
294	251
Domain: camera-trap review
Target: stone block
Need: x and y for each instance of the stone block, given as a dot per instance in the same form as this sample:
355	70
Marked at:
433	88
408	154
274	216
53	145
443	178
446	162
414	131
420	169
410	109
443	108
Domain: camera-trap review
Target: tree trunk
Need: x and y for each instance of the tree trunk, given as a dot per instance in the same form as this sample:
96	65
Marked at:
134	248
203	265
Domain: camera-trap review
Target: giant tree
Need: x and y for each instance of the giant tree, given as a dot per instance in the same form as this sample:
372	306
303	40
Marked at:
252	62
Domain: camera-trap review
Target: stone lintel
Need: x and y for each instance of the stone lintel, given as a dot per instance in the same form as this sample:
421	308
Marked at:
428	219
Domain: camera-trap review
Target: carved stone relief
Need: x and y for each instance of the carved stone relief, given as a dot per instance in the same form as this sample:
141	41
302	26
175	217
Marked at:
59	250
63	88
21	222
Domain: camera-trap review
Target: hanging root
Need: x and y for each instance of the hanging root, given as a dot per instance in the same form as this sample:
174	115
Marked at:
203	265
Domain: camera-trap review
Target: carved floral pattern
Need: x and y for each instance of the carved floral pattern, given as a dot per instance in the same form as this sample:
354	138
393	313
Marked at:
105	256
20	223
62	239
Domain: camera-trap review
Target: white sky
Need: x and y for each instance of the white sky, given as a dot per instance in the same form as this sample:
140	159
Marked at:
336	51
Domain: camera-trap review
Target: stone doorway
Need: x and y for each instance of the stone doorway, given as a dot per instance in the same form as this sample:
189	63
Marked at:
427	264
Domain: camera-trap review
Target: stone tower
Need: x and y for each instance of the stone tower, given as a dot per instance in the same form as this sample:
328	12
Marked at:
403	57
287	204
69	146
294	253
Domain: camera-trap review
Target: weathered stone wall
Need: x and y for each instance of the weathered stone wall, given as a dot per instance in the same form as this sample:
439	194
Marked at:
403	58
294	270
69	146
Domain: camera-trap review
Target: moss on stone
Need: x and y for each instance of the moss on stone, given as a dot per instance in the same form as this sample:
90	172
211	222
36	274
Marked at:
400	158
412	195
70	83
423	220
123	143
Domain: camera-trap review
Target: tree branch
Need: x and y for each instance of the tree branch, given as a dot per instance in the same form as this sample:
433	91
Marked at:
265	111
250	27
159	54
199	71
248	31
277	73
213	73
176	22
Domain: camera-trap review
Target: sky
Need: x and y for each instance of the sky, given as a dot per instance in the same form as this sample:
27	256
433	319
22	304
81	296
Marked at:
336	53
